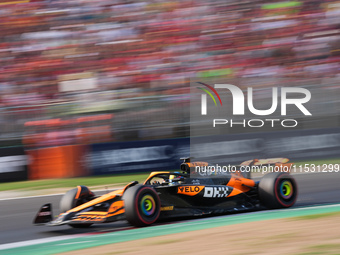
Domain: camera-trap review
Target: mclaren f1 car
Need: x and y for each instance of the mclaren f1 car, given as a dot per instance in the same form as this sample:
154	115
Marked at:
164	195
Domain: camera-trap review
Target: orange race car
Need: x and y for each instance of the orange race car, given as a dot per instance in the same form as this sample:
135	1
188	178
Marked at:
166	194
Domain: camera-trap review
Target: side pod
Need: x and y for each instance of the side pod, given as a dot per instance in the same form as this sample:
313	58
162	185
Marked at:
44	215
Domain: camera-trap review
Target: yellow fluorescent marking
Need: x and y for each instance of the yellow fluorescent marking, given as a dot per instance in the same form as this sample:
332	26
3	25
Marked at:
167	208
16	2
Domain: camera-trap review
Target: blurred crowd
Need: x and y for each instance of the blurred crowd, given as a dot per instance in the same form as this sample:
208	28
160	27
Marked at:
58	51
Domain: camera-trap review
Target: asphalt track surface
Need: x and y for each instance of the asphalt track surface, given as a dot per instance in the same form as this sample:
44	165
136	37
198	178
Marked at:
16	215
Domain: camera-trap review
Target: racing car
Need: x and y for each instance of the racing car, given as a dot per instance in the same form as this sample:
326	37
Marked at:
165	195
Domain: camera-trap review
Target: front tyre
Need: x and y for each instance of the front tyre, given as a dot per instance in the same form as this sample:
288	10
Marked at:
142	205
278	190
74	198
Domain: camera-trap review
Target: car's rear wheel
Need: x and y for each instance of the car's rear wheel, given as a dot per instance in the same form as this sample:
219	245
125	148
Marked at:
278	190
142	205
74	198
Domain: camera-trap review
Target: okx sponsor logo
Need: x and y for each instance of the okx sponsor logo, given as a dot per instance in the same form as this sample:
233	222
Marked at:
284	96
213	192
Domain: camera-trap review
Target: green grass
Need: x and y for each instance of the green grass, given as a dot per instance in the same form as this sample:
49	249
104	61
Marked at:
322	249
317	216
108	180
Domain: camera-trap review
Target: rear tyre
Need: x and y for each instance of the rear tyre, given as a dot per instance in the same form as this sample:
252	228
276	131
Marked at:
142	205
74	198
278	190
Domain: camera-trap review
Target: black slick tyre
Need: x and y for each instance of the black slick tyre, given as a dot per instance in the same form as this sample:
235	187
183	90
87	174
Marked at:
142	205
278	190
74	198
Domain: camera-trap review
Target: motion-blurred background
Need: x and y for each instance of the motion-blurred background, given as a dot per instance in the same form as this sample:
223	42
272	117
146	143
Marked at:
76	76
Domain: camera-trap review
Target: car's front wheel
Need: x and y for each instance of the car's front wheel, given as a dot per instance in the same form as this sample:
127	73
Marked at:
142	205
74	198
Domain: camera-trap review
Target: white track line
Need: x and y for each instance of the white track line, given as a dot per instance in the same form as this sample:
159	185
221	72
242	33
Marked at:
50	195
36	241
14	198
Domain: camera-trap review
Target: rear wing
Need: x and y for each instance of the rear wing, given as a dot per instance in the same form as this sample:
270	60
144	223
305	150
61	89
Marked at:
245	168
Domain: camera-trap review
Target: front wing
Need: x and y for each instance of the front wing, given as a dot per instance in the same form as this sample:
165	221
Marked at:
85	216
